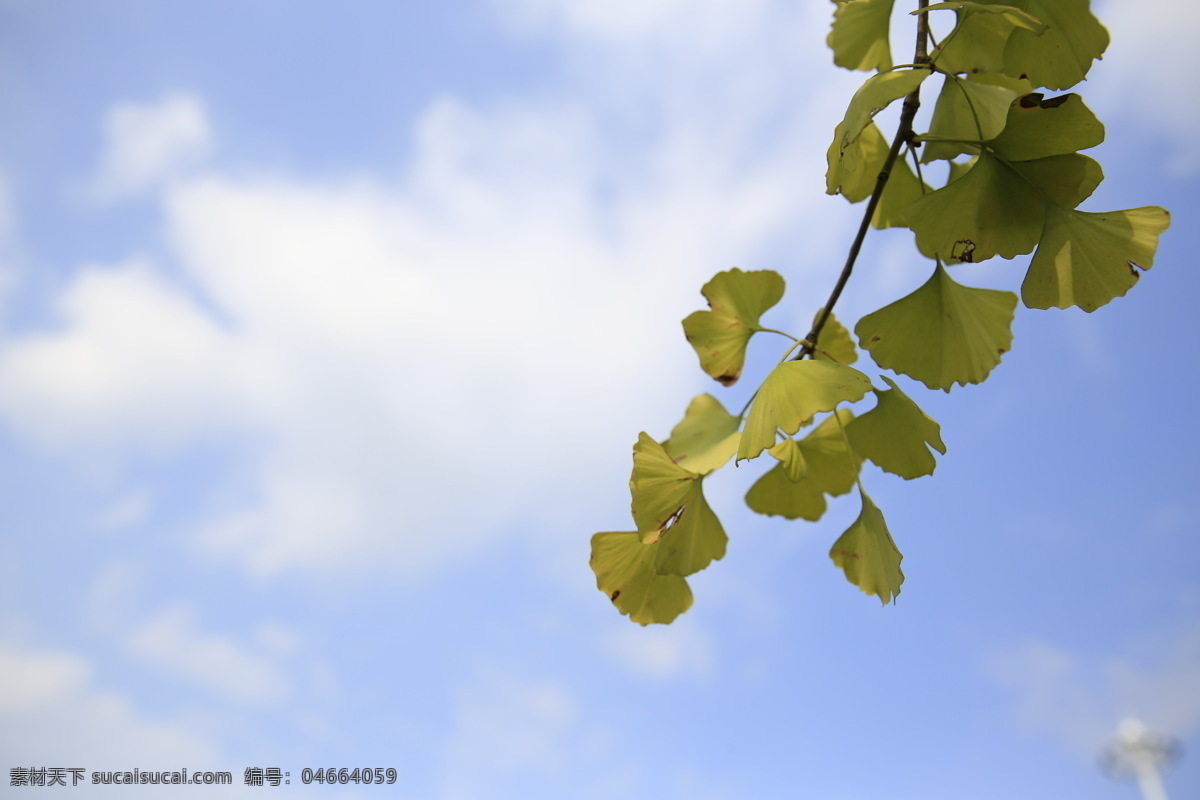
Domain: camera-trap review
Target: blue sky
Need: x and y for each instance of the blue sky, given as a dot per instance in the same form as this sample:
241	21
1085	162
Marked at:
325	334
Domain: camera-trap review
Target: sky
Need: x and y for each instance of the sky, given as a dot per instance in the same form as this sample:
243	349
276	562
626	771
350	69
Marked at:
325	334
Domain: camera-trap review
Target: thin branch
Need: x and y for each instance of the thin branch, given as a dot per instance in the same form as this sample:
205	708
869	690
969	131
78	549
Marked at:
904	133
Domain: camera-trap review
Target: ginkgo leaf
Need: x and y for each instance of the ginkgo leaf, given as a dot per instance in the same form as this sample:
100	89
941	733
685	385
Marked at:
1061	56
834	342
625	572
991	210
830	467
859	38
877	93
706	438
1012	15
1036	127
966	110
737	300
867	554
978	41
669	508
941	334
791	458
896	434
854	175
1086	259
793	392
1065	180
902	190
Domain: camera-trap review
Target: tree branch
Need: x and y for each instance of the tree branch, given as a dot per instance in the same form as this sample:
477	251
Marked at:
904	132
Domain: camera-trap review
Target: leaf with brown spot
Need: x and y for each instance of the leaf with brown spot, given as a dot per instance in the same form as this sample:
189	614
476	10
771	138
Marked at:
737	299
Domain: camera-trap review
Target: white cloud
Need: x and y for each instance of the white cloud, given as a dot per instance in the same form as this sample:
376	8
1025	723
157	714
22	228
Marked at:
1081	698
171	641
148	143
510	730
54	715
1146	73
428	363
661	652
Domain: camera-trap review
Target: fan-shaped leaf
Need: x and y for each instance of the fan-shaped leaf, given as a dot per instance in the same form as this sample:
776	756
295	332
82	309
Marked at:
830	467
896	434
859	38
867	554
706	438
941	334
1087	259
834	342
1036	127
792	393
625	571
669	508
719	336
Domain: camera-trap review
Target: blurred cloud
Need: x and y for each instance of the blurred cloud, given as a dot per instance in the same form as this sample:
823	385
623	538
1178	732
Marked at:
507	729
146	144
1080	698
171	641
1144	74
413	357
52	707
660	652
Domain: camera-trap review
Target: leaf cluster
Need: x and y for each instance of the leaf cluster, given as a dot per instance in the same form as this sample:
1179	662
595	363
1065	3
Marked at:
1015	178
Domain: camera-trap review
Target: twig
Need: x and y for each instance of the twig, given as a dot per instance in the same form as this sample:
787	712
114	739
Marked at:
904	132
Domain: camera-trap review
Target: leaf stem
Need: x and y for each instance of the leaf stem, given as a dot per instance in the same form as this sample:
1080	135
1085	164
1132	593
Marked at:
904	132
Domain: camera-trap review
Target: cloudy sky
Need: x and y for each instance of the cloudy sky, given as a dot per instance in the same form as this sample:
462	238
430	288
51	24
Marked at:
325	333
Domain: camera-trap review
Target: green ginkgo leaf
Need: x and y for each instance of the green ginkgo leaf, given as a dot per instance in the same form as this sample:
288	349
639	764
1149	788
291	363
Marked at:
791	394
859	38
1061	56
669	508
737	300
978	41
1011	14
896	434
877	93
625	572
1065	180
854	175
834	342
991	210
830	467
966	111
867	554
1037	127
902	190
1086	259
941	334
706	438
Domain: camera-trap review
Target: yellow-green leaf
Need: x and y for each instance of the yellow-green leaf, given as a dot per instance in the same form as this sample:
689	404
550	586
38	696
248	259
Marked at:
737	300
706	438
991	210
791	394
1037	127
941	334
625	572
896	434
967	110
669	508
854	175
1063	54
1086	259
877	93
834	342
902	190
830	467
859	38
867	554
